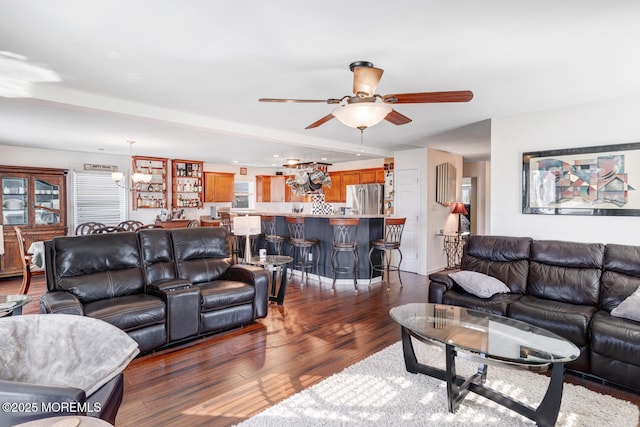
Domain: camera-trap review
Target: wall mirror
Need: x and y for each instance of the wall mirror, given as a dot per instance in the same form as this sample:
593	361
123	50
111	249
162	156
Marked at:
445	184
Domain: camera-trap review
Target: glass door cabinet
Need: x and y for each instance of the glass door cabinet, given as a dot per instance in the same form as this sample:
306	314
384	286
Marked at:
33	199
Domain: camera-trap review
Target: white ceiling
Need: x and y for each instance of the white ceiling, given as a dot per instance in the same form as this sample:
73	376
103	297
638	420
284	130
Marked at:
182	78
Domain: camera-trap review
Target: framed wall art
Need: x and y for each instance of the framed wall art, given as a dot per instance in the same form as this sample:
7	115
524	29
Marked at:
601	180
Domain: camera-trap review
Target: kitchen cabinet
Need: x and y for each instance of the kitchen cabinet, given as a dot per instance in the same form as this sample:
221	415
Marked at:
35	199
218	186
187	184
153	194
334	194
270	188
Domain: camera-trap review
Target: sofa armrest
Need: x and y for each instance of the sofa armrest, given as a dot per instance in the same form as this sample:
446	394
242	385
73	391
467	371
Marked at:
61	302
259	278
440	282
168	286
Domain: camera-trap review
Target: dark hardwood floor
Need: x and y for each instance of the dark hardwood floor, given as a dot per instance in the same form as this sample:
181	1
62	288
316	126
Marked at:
224	379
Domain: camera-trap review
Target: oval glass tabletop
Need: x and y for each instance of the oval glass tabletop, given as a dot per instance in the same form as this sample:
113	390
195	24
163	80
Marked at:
493	336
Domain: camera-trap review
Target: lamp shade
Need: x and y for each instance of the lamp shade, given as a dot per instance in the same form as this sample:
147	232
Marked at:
246	225
362	114
459	208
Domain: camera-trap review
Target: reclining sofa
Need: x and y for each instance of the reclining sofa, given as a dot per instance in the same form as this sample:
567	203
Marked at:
160	286
568	288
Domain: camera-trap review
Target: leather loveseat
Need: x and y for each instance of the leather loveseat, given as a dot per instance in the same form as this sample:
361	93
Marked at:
160	286
568	288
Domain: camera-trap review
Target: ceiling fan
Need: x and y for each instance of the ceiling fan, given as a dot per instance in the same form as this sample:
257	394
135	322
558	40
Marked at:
365	108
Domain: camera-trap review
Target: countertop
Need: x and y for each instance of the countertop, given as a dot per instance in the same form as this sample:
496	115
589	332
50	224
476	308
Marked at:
304	215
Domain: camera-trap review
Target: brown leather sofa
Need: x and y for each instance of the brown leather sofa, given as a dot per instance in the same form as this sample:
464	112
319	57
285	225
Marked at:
160	286
568	288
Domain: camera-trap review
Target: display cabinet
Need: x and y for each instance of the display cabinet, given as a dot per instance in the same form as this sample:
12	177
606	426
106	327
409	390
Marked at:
187	184
154	193
35	200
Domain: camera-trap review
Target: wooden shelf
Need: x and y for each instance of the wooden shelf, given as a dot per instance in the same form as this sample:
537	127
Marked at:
154	194
187	181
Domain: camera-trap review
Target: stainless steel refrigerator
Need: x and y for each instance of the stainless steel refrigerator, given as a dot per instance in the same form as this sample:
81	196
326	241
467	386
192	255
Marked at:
365	199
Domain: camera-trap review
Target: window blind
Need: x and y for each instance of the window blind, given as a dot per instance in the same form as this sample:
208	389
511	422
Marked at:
97	198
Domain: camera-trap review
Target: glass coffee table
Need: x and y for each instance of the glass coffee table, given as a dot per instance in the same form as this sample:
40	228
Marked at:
12	304
279	263
489	340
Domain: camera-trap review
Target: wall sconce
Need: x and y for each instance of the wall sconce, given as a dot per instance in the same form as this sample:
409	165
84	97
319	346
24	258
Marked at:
459	209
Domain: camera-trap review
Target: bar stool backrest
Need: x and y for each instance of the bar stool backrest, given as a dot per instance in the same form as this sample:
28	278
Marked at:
296	227
344	230
268	225
225	221
393	228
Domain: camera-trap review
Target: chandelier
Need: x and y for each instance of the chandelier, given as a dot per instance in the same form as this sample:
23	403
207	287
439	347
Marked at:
308	178
137	177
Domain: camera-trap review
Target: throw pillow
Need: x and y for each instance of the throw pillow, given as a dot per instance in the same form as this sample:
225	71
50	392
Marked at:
629	308
478	284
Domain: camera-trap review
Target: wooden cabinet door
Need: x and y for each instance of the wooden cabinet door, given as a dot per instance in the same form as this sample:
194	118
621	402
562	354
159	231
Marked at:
348	178
277	188
380	174
368	176
333	194
218	187
224	187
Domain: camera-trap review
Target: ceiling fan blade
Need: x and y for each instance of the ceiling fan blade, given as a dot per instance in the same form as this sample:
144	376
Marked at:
428	97
324	101
322	121
397	118
365	80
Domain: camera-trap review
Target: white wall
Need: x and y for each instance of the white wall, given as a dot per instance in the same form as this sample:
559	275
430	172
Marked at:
482	172
602	123
439	217
433	216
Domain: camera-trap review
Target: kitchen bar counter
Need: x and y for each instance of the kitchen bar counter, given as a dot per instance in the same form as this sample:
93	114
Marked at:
318	227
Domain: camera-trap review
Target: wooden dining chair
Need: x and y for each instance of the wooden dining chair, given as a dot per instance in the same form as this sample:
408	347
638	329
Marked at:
108	229
88	227
28	268
130	225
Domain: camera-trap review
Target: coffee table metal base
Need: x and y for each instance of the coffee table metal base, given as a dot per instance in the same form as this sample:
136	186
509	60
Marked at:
458	387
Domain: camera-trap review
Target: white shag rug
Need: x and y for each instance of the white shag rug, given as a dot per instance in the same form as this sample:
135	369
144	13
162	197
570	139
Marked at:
379	391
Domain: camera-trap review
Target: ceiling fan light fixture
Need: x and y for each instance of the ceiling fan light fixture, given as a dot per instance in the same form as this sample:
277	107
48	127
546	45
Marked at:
365	81
361	115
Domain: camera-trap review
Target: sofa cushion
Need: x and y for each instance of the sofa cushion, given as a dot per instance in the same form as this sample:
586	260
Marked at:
221	294
157	255
621	276
616	338
570	321
478	284
503	257
201	253
566	271
97	266
497	304
128	312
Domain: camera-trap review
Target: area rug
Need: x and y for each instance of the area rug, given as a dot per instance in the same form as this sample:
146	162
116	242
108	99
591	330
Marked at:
379	391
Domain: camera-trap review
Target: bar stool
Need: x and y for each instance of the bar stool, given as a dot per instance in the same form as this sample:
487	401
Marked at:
301	248
344	240
232	241
270	236
393	228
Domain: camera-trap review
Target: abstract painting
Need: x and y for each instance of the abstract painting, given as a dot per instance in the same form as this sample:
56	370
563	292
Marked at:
602	180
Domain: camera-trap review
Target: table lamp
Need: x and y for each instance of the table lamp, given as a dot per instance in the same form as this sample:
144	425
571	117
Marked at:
459	209
247	226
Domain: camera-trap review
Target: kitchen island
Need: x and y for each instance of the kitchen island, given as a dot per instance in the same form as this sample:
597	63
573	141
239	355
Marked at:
317	227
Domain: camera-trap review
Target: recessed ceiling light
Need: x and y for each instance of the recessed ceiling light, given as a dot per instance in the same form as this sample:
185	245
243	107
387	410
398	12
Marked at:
276	155
323	158
235	161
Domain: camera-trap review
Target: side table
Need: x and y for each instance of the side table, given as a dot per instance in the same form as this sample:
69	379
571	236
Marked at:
453	247
278	263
